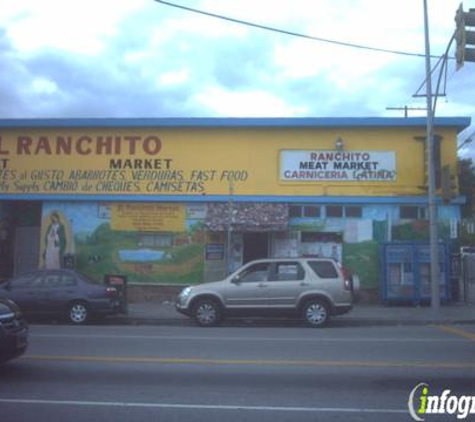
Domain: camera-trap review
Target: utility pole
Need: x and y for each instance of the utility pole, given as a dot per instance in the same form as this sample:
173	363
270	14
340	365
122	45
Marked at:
433	232
465	53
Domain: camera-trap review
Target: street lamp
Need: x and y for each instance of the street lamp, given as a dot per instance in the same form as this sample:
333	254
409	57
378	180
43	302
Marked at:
339	145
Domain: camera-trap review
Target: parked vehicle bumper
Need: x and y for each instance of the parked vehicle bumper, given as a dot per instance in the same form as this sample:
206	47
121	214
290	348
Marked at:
182	309
13	344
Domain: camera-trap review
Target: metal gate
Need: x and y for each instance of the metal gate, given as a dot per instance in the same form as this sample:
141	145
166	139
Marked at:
406	272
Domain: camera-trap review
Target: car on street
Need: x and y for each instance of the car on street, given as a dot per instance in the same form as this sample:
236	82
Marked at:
313	289
63	292
13	331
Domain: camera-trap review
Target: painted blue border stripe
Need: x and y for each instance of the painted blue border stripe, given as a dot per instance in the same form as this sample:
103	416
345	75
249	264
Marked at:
337	200
224	122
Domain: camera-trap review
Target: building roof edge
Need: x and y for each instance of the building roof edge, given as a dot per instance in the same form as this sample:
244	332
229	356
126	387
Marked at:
459	123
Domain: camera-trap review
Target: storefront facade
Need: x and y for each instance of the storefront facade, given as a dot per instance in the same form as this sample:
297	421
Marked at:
187	200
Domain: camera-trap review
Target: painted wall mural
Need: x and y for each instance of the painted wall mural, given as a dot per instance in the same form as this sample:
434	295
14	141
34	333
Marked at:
357	241
100	239
57	241
174	243
350	241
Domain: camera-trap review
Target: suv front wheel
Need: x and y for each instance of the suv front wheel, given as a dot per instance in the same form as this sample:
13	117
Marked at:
206	313
316	313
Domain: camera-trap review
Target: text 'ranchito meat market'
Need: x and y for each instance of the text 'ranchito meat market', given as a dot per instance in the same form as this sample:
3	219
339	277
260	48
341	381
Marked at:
313	166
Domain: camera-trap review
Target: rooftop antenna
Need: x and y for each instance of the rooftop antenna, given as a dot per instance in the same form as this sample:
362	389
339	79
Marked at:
406	109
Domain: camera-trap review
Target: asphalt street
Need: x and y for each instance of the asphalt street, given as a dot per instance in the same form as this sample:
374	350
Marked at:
144	373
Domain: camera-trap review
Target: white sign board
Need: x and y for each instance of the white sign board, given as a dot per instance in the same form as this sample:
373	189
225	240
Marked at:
332	165
196	211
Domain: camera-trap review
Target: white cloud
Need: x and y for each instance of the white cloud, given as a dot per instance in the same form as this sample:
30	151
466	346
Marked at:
245	103
79	27
141	58
174	78
43	86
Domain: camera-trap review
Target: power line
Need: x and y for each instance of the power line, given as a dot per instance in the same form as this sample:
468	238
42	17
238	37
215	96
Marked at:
468	140
294	34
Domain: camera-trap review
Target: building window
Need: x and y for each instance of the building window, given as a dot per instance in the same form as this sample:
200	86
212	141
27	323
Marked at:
295	211
311	211
332	211
409	212
306	211
349	211
335	211
353	212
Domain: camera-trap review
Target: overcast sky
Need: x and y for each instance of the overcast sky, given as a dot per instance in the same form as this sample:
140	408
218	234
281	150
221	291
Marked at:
140	58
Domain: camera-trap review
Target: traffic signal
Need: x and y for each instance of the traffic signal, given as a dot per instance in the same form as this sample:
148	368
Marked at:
449	184
464	37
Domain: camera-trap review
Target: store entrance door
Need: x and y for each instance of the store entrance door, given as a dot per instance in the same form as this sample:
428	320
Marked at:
27	221
255	246
27	240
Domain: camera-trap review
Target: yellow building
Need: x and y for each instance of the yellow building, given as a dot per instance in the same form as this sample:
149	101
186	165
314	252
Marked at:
185	200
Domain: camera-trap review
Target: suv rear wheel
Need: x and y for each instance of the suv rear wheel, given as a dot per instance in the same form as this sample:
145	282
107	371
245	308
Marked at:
206	312
316	313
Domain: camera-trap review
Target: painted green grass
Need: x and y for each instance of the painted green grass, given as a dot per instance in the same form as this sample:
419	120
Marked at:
364	259
99	255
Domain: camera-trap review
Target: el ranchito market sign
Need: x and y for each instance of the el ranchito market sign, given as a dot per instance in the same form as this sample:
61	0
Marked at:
331	165
140	162
71	162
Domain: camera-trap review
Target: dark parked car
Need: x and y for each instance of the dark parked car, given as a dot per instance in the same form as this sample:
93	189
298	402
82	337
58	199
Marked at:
62	292
13	331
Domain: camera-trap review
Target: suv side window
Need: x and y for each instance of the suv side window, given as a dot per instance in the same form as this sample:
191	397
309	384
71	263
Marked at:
254	273
324	269
288	271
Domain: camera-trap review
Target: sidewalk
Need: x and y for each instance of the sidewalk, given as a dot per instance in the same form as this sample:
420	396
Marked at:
163	313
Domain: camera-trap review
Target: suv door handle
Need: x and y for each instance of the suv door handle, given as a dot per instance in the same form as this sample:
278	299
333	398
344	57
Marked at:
262	285
304	283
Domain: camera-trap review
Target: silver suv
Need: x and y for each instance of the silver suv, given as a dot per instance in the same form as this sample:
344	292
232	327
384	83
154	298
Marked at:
310	288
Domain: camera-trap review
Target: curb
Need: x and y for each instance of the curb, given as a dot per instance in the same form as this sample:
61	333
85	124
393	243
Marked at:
246	322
